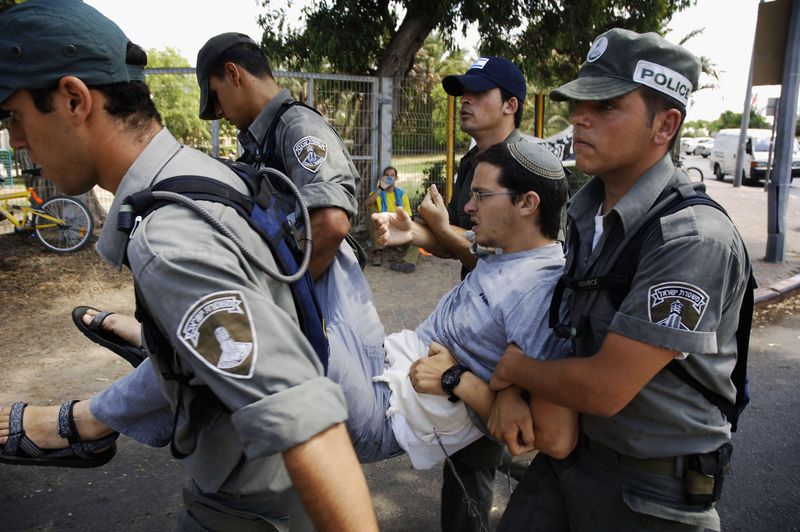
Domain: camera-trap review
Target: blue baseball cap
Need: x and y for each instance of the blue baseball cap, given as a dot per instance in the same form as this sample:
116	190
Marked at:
42	41
487	73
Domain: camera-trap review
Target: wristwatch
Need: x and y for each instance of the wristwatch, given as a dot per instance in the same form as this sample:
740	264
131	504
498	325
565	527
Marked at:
450	379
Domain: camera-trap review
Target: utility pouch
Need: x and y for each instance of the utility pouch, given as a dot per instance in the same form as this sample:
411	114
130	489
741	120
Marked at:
704	474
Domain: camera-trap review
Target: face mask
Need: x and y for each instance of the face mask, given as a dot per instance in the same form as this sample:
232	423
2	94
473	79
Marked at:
388	180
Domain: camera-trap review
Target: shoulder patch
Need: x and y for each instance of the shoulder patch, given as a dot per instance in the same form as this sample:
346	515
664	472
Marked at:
218	330
311	153
676	305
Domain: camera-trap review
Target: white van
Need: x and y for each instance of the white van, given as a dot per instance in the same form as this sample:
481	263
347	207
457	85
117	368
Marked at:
723	155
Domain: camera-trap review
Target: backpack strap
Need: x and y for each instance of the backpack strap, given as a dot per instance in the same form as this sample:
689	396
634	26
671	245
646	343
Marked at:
269	156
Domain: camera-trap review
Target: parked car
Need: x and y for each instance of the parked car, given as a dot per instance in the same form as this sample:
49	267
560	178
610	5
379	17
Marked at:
688	144
756	155
703	147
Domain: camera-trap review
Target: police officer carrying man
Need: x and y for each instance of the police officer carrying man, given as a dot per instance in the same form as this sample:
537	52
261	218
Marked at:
654	449
83	112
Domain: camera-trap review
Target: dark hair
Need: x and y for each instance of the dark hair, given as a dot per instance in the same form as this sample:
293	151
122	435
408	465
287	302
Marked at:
389	168
129	102
518	179
656	102
247	55
505	95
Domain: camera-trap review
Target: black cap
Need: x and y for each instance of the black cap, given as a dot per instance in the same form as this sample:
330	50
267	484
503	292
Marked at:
206	58
487	73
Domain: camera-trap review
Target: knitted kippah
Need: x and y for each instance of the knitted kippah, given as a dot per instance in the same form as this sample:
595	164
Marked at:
537	159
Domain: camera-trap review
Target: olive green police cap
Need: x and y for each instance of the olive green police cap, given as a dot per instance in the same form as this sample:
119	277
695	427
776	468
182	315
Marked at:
42	41
620	61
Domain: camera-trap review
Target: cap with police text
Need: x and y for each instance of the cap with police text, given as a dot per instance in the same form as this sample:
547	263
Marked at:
206	58
620	61
42	41
538	159
487	73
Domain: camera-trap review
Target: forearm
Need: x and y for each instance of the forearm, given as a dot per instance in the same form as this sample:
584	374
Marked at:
602	384
458	246
555	428
563	382
476	394
330	482
328	228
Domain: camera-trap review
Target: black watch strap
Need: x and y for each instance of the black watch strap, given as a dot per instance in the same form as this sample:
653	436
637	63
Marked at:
452	378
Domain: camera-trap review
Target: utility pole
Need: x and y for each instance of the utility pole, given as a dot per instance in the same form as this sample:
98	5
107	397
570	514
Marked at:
778	193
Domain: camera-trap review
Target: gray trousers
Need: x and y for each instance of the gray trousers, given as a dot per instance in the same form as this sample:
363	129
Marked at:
591	491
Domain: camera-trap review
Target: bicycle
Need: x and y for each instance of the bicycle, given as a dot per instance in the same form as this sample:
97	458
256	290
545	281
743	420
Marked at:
61	224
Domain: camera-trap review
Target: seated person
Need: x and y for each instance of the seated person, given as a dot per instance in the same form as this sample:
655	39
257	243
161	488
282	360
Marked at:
387	197
517	195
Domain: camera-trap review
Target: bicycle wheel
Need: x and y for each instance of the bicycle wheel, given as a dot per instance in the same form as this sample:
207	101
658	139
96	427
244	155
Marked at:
694	173
63	224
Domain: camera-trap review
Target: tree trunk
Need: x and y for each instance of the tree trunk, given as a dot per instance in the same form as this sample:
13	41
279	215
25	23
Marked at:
398	58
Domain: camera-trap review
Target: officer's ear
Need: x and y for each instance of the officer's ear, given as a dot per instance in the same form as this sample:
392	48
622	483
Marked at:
667	124
233	73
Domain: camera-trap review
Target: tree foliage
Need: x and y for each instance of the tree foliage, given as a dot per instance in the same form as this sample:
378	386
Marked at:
177	98
731	120
547	38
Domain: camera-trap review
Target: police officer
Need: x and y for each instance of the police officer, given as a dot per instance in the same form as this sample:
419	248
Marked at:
654	449
253	437
236	83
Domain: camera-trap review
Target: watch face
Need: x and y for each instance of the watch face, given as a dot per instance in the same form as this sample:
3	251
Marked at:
449	380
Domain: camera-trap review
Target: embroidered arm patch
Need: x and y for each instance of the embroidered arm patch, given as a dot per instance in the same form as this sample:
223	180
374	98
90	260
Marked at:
311	153
676	305
219	331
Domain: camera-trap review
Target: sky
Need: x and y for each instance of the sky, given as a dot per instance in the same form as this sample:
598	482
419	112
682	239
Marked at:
727	39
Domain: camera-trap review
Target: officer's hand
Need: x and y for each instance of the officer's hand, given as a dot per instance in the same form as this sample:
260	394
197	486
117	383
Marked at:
511	421
433	211
506	366
393	228
426	373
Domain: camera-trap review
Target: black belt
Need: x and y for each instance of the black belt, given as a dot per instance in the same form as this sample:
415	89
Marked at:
669	465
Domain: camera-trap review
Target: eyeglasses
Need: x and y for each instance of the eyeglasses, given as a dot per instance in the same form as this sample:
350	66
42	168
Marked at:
478	196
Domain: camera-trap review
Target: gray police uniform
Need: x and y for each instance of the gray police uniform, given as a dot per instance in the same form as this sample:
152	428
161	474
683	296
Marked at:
313	154
221	314
315	158
685	296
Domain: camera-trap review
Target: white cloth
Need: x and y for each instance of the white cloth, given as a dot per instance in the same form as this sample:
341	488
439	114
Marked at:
415	416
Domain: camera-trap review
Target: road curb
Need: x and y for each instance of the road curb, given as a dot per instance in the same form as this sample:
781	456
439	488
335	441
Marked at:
777	291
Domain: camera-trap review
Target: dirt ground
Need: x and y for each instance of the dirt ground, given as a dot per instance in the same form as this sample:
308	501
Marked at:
44	357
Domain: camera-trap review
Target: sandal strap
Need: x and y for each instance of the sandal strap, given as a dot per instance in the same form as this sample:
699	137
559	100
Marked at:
97	322
67	429
15	428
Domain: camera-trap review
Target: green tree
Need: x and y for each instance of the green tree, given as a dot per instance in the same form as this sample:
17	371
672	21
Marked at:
177	98
547	38
732	120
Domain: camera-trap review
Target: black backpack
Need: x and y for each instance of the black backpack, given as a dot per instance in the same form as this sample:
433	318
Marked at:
618	283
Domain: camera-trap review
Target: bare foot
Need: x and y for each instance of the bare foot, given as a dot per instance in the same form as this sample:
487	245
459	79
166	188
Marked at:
41	425
126	327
